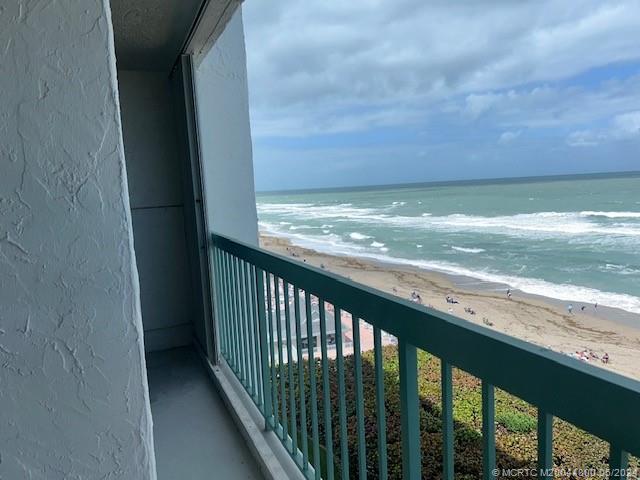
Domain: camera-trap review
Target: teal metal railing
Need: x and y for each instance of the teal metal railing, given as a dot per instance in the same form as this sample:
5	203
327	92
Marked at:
262	301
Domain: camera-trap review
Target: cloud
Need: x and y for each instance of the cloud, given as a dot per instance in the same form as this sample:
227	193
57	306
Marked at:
437	80
625	126
550	105
335	55
508	137
584	138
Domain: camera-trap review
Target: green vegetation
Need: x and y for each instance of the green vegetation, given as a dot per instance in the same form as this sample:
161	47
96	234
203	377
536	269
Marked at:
516	434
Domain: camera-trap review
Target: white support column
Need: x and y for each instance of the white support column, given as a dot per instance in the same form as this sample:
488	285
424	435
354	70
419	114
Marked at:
74	401
225	135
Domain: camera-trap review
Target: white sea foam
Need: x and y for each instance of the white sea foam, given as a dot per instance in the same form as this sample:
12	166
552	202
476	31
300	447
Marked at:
333	244
377	244
358	236
620	269
468	250
326	231
590	213
298	227
540	224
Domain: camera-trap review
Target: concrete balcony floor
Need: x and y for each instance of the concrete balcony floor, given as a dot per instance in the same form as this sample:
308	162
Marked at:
195	437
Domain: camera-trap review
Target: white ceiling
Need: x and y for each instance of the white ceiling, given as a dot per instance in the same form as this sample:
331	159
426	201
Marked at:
149	34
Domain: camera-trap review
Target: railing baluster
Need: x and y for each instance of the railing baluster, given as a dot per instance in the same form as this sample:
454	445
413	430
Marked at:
255	301
301	384
224	277
293	416
233	312
326	392
342	408
222	305
217	301
409	412
240	338
264	352
618	463
283	398
545	444
248	328
312	383
380	408
488	431
447	420
244	332
274	383
357	360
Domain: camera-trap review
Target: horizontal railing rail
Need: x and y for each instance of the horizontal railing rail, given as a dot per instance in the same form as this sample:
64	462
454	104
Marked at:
598	401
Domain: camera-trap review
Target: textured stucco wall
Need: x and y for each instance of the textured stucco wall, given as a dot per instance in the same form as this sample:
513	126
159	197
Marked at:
155	174
225	136
73	391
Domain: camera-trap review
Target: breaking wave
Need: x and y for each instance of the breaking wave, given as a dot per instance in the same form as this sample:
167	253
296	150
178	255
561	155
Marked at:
334	244
468	250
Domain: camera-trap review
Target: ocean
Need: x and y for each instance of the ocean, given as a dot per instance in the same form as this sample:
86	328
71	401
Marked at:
569	238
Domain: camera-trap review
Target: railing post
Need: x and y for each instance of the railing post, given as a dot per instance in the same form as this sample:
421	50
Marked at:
618	463
264	353
380	407
488	431
447	420
545	444
410	414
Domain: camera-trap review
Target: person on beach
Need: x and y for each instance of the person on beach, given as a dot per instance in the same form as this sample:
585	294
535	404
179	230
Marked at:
605	358
509	293
570	309
582	308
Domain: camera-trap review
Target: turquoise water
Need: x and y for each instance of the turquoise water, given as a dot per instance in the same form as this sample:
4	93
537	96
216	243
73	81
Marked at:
574	239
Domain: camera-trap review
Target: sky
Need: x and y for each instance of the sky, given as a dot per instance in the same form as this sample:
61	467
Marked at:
370	92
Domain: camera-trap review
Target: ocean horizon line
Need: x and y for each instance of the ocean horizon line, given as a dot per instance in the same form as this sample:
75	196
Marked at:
454	183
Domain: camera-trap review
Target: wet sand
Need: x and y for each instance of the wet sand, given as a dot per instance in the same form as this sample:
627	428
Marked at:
535	319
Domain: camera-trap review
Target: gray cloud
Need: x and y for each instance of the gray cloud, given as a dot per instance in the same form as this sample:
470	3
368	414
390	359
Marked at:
313	59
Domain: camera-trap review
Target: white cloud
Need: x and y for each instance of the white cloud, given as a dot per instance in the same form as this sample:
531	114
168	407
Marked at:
477	104
584	138
625	126
508	137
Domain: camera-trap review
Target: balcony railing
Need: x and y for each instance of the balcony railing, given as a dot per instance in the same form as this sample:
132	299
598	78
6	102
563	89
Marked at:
271	311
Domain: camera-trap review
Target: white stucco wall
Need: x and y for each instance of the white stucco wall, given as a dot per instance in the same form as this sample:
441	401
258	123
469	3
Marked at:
73	392
225	136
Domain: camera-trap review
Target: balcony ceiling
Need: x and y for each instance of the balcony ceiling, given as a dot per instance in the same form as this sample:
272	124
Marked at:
149	34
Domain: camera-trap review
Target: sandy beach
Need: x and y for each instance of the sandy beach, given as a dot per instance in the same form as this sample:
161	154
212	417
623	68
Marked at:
591	333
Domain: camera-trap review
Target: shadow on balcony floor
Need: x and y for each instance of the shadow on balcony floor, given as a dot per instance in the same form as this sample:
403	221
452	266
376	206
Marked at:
194	435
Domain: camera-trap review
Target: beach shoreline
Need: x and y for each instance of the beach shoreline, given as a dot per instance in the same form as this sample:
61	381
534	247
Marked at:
540	320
